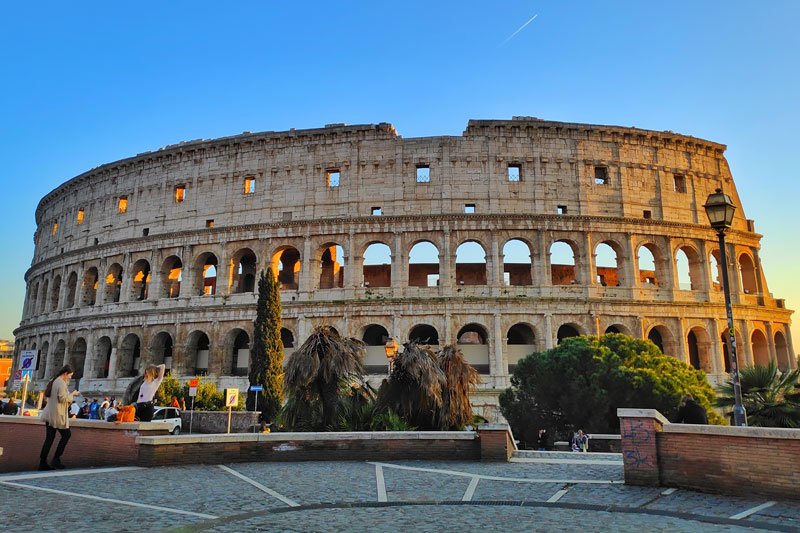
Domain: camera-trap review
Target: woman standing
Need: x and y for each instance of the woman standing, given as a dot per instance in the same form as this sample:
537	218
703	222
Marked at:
56	417
153	375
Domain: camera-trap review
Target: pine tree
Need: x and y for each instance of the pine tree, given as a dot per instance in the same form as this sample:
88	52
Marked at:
266	357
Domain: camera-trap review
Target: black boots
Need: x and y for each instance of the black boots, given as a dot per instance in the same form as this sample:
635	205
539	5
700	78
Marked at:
44	466
57	463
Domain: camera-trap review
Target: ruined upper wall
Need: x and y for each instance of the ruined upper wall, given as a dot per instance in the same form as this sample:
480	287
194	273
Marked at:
558	165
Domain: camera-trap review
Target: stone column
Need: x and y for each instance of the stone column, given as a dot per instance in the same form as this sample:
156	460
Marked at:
717	364
790	349
586	269
681	343
626	264
224	271
773	354
307	269
705	269
89	360
495	266
543	265
62	291
399	265
448	329
127	279
549	339
447	261
745	350
669	266
354	271
500	365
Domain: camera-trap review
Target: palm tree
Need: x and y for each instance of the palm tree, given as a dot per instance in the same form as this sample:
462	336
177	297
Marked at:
461	379
770	398
414	388
324	367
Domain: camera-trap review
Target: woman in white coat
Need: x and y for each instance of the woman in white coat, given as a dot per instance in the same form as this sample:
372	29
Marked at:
56	417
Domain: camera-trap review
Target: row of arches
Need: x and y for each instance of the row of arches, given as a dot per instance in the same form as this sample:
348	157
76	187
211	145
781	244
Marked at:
196	354
424	268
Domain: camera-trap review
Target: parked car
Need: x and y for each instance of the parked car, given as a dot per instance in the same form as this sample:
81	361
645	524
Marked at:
171	416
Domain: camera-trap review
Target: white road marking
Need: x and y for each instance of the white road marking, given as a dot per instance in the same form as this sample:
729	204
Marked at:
500	478
668	491
566	461
259	486
752	510
108	500
473	484
557	496
381	484
60	473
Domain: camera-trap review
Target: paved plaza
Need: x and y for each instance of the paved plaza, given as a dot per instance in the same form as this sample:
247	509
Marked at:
540	492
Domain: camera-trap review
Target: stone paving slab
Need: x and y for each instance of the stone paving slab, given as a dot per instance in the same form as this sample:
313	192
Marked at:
489	489
706	504
406	485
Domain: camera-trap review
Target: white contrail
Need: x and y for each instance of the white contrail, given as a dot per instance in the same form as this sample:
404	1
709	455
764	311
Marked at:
520	29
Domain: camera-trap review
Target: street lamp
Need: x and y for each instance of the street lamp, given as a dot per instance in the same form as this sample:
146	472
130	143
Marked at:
391	347
719	209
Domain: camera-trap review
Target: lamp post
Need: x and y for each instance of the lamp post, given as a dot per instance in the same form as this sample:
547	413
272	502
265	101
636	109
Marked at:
391	347
719	209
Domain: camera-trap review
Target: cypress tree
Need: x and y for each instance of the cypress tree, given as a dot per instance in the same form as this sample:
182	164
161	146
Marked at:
266	356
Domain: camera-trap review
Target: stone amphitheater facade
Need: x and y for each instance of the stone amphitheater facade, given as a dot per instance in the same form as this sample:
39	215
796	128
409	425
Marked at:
154	258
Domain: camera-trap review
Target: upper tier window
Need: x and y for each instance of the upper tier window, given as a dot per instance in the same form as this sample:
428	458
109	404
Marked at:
423	174
180	193
333	177
122	204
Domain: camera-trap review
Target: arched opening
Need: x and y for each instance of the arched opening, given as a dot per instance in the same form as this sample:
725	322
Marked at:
141	280
607	272
375	337
240	353
205	268
617	328
58	358
521	342
423	265
43	362
102	357
655	337
517	263
113	284
562	263
287	338
129	356
699	344
470	264
424	334
72	289
55	292
760	348
566	331
646	259
331	275
34	298
747	271
77	358
242	270
45	292
89	287
714	271
162	349
782	352
171	277
197	353
473	341
689	269
377	269
286	265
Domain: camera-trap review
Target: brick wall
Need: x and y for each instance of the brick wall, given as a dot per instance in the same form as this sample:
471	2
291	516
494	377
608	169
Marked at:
728	460
93	443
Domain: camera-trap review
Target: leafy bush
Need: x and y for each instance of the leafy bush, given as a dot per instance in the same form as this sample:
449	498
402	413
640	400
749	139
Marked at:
582	382
771	399
208	397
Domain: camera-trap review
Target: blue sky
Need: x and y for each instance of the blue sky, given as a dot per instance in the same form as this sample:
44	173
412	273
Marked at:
85	83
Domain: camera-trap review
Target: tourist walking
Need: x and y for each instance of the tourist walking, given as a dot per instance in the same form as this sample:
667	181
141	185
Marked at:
153	375
691	412
56	418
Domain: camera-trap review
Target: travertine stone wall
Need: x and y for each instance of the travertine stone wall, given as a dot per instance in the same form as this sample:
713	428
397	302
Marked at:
287	199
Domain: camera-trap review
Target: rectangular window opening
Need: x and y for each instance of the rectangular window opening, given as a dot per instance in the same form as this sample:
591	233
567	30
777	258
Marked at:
145	232
469	208
180	193
377	211
249	185
423	174
680	182
561	210
514	172
332	177
287	215
600	175
122	204
210	223
55	228
433	280
80	216
507	279
647	213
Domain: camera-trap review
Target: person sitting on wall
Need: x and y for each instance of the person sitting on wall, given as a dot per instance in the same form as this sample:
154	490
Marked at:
543	441
690	412
11	407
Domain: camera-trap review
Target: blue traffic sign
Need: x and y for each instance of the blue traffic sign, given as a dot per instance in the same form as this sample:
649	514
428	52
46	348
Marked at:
256	388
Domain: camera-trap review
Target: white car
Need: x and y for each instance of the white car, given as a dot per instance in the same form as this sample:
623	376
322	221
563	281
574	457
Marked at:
169	415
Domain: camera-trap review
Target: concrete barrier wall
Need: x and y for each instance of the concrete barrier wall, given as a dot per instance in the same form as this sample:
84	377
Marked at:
93	443
728	460
217	421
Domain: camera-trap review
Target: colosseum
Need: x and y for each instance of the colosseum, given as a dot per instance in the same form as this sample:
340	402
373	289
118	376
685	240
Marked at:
505	239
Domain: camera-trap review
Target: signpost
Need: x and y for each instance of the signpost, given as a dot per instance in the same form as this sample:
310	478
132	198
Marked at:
256	389
192	392
231	399
25	368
